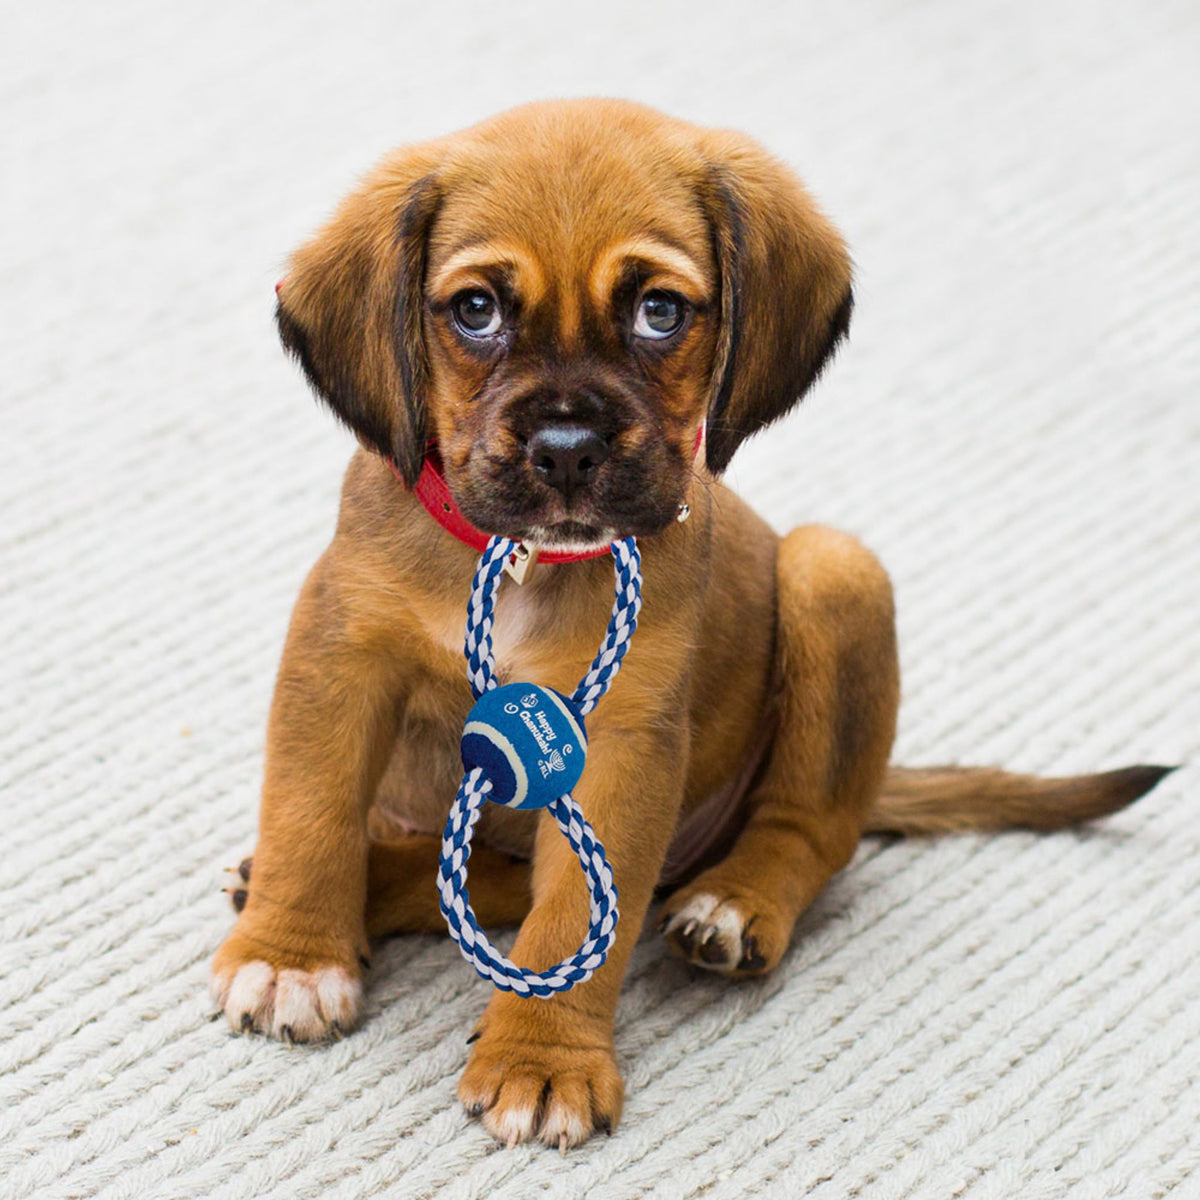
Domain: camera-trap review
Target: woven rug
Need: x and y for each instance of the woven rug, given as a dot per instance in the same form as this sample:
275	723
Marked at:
1014	426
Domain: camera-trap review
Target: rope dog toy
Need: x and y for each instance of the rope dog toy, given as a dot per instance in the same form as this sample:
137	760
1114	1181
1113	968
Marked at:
524	746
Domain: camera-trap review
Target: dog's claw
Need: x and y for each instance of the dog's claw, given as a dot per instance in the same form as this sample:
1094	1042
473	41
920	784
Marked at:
686	936
711	950
247	1023
751	959
237	892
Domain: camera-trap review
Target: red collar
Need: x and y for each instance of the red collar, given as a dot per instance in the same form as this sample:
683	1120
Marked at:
434	494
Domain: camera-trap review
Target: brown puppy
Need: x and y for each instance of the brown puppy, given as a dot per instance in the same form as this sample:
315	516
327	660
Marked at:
559	298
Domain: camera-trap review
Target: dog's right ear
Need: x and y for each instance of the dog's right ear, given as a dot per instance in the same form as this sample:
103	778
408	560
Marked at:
350	307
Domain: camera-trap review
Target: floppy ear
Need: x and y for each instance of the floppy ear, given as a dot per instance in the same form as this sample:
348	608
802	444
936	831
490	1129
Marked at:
350	308
785	291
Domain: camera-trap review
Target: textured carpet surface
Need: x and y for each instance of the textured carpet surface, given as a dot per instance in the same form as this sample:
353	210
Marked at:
1014	427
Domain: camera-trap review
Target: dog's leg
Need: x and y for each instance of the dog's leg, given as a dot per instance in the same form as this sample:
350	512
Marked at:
402	894
547	1068
292	965
837	658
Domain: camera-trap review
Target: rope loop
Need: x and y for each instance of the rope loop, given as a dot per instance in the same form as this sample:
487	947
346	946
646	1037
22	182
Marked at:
477	786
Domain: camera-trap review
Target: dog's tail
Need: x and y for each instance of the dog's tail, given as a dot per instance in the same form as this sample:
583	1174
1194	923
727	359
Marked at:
956	799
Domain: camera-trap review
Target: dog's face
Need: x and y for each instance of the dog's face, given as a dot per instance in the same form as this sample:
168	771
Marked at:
558	298
570	319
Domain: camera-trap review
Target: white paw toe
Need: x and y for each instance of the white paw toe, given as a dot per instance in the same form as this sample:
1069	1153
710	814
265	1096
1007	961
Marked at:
511	1125
250	997
563	1127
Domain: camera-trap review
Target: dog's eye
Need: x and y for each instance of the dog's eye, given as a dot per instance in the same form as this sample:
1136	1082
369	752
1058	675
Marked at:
659	314
476	313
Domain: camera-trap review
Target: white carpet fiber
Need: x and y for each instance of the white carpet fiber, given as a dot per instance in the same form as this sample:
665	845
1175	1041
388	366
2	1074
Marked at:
1014	426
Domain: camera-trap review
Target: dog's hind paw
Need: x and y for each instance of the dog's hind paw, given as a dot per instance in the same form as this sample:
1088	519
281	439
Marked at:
238	888
730	932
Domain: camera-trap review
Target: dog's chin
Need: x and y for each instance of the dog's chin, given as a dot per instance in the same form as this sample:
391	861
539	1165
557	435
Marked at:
573	536
570	537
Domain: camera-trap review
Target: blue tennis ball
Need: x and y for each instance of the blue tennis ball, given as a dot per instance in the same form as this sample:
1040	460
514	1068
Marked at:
530	742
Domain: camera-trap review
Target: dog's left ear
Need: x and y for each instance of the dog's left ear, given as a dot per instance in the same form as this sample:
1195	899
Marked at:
350	307
786	293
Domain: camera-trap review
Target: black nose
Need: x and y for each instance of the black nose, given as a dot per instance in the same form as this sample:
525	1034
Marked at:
567	456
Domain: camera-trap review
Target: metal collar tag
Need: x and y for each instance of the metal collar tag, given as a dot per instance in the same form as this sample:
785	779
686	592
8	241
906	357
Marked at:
520	562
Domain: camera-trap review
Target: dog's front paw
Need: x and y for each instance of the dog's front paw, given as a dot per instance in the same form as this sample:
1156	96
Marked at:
561	1093
724	927
261	991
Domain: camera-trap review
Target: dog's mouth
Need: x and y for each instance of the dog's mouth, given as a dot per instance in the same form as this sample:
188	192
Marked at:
582	527
547	521
628	497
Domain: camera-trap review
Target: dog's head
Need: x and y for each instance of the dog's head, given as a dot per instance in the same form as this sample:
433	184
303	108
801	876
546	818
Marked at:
558	298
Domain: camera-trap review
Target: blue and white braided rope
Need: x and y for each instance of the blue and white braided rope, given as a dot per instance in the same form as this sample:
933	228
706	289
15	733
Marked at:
474	789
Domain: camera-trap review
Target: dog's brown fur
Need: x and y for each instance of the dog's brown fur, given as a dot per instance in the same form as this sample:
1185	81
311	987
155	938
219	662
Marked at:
764	670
